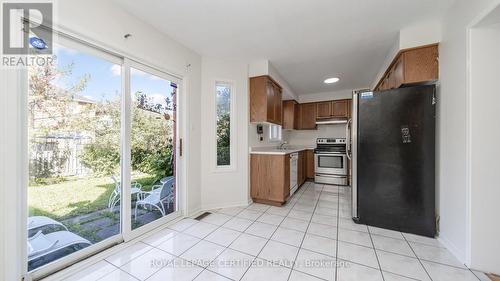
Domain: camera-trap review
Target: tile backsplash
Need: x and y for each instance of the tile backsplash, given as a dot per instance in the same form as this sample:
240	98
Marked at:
254	141
308	137
296	137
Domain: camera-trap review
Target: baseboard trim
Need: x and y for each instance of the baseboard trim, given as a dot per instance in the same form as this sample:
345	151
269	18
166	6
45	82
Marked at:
452	248
194	213
227	205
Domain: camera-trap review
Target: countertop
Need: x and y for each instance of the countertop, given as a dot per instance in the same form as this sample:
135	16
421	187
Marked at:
276	151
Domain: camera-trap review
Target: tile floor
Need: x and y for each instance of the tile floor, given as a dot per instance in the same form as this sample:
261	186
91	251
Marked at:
310	238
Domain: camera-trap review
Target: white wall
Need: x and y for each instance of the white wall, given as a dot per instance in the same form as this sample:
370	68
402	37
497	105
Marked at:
265	67
452	130
105	24
422	33
484	147
288	93
224	188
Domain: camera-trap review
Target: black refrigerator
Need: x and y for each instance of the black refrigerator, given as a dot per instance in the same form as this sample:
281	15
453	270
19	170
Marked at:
392	150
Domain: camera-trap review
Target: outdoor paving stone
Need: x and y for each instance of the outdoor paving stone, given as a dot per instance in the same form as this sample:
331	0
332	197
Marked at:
108	231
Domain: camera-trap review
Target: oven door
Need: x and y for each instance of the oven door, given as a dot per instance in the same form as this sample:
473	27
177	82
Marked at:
330	164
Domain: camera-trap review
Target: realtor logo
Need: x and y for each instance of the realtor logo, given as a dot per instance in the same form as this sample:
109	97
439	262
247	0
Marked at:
27	28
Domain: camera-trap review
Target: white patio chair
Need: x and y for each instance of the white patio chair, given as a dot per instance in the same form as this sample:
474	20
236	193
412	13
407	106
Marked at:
115	196
155	197
45	248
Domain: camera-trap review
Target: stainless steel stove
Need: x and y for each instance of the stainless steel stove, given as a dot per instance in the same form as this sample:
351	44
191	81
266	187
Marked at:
330	161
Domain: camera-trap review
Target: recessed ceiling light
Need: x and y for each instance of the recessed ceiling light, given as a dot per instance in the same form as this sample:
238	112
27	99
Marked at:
331	80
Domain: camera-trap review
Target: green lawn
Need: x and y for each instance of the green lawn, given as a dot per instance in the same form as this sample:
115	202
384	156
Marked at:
75	196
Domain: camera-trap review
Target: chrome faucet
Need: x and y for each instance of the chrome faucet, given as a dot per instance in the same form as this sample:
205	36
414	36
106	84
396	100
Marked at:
282	144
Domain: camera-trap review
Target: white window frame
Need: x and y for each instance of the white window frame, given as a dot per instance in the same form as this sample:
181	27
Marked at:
232	126
279	134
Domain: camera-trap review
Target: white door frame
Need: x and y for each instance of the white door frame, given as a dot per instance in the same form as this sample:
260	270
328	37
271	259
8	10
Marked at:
127	233
468	140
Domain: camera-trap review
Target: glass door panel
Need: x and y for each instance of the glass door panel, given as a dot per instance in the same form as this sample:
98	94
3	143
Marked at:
74	190
153	137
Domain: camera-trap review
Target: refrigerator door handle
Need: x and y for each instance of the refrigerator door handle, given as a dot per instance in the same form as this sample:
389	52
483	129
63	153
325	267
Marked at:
348	137
354	155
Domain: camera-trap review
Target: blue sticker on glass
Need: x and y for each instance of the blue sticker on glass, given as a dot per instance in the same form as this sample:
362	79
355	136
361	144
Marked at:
38	43
367	95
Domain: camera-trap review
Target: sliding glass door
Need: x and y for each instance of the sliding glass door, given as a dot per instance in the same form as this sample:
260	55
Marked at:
74	153
153	142
102	152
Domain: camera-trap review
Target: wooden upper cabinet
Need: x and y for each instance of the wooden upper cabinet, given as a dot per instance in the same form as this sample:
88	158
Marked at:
339	108
265	100
349	108
398	73
278	104
324	109
421	64
270	102
290	114
307	116
413	65
332	109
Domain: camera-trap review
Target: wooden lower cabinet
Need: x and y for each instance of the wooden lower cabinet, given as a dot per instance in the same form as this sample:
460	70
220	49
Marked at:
301	169
270	178
310	164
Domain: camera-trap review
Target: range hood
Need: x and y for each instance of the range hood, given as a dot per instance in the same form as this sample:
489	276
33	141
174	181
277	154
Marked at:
331	121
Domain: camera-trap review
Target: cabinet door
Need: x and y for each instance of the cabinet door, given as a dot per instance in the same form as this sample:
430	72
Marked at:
296	116
310	164
278	105
349	108
324	109
289	114
421	64
300	168
271	107
258	99
398	72
340	108
278	178
269	178
304	165
308	116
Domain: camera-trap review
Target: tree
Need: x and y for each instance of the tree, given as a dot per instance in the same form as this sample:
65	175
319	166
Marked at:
49	115
151	146
56	114
223	126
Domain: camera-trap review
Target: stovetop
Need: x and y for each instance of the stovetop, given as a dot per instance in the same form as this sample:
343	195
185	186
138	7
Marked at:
331	145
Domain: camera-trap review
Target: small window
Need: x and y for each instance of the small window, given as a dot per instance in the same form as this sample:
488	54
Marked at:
274	132
223	128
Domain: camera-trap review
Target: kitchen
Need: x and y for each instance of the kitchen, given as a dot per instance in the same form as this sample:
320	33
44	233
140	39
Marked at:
319	143
354	133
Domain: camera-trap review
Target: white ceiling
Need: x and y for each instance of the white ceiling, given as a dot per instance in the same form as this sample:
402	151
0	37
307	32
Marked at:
306	40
